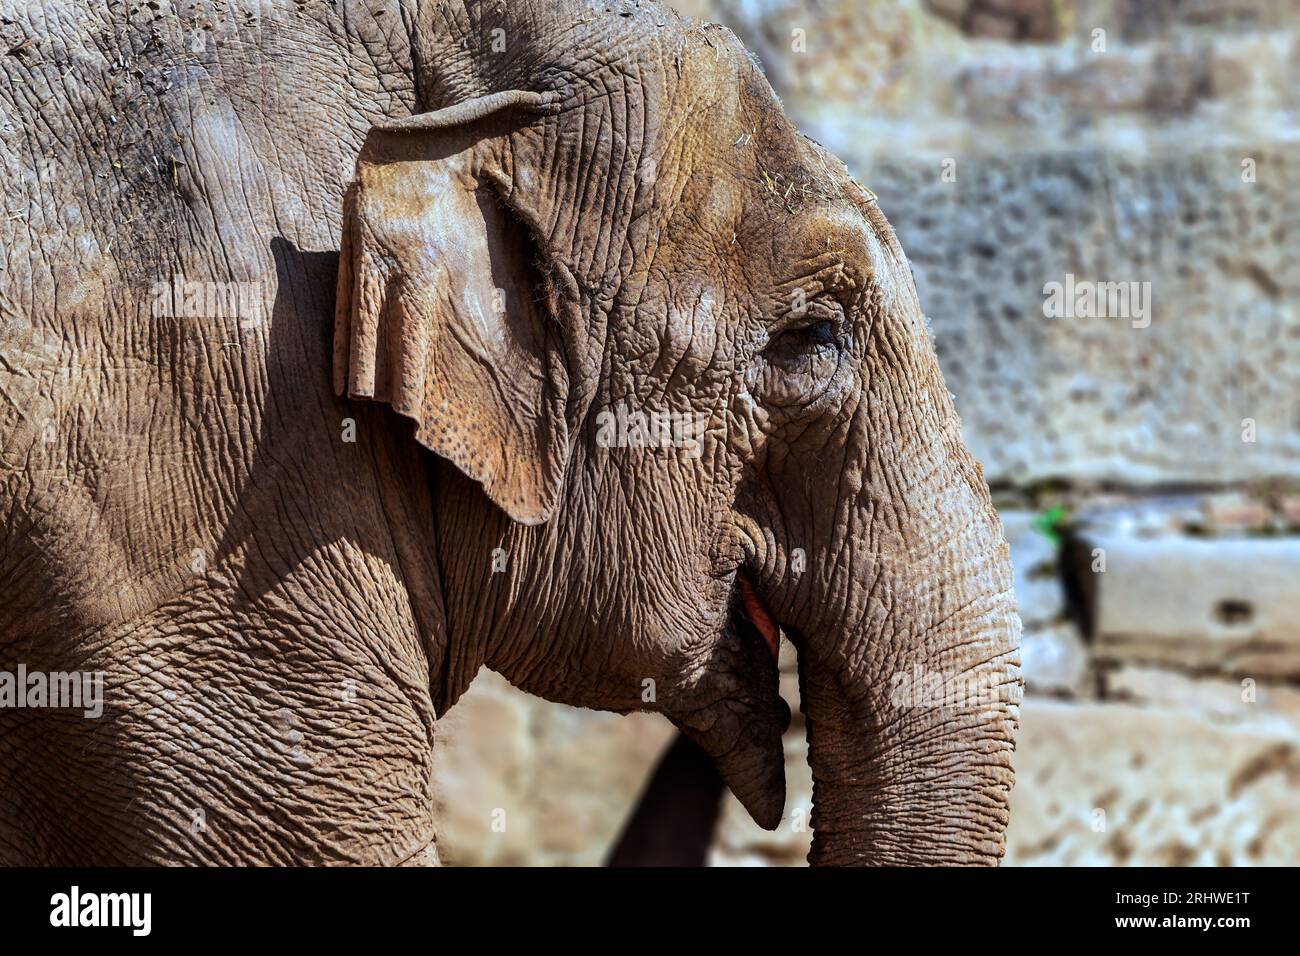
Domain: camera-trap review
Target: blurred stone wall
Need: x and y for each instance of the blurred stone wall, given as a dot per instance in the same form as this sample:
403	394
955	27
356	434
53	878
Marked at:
1147	466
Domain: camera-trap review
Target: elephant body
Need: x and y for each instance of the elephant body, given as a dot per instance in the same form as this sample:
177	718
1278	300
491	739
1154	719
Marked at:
258	470
197	529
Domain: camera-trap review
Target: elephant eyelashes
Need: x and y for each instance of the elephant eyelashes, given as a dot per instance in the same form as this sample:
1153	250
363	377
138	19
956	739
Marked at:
820	333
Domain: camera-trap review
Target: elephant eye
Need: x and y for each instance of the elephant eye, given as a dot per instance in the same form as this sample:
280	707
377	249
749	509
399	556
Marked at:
815	330
819	333
803	360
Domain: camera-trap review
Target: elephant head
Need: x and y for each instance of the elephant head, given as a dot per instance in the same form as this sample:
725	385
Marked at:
680	394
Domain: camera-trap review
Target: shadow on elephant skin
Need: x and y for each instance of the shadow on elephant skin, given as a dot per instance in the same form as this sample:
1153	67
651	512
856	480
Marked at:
323	470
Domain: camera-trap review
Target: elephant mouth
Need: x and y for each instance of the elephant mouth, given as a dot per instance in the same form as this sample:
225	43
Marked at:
742	724
754	622
751	617
755	625
748	753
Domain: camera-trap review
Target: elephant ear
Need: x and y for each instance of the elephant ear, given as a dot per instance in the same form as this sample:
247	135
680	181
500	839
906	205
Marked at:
442	310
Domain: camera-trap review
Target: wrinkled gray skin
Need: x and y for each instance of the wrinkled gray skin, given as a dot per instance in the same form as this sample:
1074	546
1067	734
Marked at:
281	614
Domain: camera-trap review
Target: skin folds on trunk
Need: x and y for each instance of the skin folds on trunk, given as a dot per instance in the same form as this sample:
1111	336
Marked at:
911	761
905	621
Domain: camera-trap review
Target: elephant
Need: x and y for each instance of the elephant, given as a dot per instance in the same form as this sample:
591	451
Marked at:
351	347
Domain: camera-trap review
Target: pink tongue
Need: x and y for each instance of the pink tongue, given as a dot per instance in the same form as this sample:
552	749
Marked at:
760	618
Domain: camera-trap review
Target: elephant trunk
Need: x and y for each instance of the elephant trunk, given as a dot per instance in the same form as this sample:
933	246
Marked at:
911	709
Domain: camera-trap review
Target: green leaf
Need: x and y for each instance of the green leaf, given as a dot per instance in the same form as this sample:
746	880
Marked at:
1051	523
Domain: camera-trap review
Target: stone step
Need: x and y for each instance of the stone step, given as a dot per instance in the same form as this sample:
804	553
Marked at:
1114	785
1225	605
1211	695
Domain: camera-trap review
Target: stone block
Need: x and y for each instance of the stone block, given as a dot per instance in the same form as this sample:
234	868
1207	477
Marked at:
1055	661
1229	605
1290	508
1033	559
1147	516
1147	19
1244	698
1112	399
1236	511
1102	784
